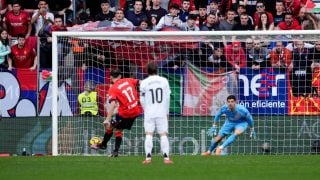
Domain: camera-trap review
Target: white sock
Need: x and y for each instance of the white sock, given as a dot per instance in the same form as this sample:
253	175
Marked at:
148	144
164	143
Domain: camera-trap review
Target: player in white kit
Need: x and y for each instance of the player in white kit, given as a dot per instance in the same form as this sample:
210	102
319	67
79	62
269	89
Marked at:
155	100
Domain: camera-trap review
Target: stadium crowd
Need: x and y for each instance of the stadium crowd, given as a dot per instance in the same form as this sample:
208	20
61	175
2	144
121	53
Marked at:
24	22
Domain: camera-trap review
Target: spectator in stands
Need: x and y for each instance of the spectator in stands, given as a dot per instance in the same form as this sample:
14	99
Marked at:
45	34
264	23
17	21
258	56
242	10
289	23
213	7
120	21
221	17
184	11
22	56
156	11
244	25
202	15
144	25
63	8
261	9
128	5
291	45
105	13
41	16
63	45
171	19
218	60
88	100
279	15
316	56
212	23
137	14
163	4
98	57
248	46
280	57
301	74
250	6
91	7
228	23
308	21
82	18
316	68
235	55
5	48
190	25
292	6
191	7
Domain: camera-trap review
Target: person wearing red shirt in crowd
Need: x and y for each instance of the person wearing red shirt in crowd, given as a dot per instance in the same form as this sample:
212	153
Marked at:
235	55
289	23
280	56
261	9
292	6
22	56
124	93
17	21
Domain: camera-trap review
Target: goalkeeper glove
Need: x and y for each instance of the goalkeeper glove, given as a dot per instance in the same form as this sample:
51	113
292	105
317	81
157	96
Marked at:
252	134
212	131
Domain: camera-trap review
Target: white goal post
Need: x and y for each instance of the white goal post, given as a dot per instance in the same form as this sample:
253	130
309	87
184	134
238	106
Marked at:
273	112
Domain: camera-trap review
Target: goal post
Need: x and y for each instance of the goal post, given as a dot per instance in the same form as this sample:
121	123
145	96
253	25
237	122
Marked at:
282	99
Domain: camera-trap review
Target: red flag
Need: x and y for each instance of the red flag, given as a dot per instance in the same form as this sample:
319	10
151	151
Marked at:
309	5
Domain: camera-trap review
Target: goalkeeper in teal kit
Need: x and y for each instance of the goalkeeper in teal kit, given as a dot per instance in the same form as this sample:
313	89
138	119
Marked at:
238	118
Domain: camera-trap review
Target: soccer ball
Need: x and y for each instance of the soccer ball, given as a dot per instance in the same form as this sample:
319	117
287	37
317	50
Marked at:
95	140
266	147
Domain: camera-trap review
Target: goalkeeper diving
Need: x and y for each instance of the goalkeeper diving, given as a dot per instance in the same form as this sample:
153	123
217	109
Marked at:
238	118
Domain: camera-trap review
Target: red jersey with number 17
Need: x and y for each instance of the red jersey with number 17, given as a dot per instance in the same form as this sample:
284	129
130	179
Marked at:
124	91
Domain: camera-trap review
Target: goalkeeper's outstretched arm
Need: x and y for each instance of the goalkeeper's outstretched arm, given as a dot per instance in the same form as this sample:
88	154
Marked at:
217	117
251	124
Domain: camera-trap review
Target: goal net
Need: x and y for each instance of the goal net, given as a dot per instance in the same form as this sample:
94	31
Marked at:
275	74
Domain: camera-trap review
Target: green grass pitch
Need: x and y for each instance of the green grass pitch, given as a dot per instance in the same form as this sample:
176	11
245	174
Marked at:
259	167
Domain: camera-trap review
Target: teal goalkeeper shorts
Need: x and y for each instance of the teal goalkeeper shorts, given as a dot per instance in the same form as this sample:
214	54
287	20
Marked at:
228	127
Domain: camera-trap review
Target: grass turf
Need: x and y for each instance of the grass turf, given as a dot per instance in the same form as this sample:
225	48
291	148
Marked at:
185	167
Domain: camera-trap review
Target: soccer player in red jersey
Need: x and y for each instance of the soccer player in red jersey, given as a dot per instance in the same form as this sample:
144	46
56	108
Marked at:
22	56
124	93
17	21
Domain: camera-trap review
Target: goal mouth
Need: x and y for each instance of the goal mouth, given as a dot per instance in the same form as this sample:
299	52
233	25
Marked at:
274	74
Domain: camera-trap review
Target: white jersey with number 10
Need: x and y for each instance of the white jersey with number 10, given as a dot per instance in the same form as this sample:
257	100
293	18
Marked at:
155	96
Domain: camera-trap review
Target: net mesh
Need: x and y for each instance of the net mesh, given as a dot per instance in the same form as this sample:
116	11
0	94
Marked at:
274	76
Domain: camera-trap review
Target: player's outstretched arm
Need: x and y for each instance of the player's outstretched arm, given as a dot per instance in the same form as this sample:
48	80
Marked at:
213	130
251	124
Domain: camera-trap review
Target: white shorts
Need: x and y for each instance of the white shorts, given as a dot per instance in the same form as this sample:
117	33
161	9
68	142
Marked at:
161	124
